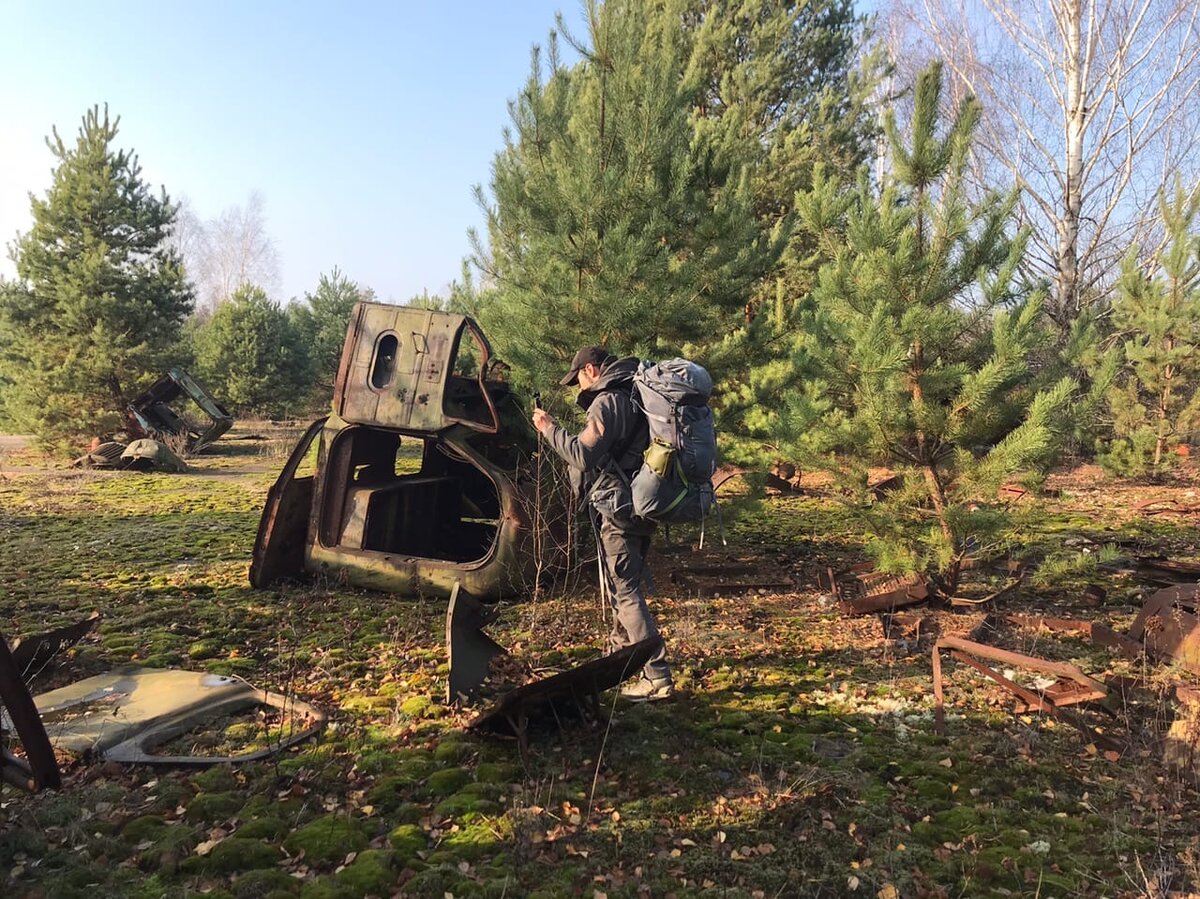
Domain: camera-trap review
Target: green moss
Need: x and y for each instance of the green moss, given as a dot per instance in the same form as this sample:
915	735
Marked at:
241	854
407	840
472	841
497	772
453	751
416	706
265	883
213	807
217	779
464	804
326	887
147	827
370	874
447	781
327	839
169	848
265	828
205	649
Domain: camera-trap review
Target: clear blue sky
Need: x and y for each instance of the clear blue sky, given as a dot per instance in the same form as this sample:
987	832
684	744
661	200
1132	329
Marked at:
362	125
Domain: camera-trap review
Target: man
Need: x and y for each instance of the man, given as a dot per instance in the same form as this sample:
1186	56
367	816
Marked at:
606	454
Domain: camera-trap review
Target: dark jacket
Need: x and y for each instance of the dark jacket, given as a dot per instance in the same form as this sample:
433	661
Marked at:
615	434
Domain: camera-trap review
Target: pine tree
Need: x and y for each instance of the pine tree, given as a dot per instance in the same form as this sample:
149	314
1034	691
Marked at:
320	321
96	310
1156	404
250	356
797	80
614	218
916	352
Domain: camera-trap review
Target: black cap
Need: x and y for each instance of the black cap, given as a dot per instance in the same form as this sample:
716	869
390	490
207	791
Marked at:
594	355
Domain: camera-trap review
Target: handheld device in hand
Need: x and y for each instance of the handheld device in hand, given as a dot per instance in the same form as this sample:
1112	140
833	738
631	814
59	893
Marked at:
537	400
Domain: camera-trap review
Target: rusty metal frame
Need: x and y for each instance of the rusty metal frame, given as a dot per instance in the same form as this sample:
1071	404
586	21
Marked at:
141	415
873	591
1100	634
39	770
36	650
969	652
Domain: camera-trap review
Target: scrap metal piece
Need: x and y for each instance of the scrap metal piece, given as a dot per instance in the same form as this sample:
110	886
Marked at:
1181	749
150	414
1168	571
572	694
104	455
152	455
1100	634
1169	627
969	653
36	650
137	750
861	590
39	769
134	707
468	649
705	581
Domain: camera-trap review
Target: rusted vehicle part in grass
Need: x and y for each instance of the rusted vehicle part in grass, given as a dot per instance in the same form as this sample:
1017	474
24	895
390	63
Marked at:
861	590
151	413
573	695
1167	571
903	627
468	649
151	455
703	581
1076	686
1169	627
32	653
465	517
117	715
281	543
19	715
139	749
105	455
1181	748
1100	634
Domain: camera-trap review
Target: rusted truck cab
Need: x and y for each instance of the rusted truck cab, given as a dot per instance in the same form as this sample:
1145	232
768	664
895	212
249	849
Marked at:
463	518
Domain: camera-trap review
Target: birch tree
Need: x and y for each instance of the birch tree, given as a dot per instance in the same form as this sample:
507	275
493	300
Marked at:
228	252
1091	105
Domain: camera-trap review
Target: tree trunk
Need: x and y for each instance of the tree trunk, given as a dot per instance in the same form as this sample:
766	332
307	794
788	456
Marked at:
1067	301
925	456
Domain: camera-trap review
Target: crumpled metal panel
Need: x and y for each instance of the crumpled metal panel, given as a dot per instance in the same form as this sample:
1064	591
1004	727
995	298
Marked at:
150	414
1169	625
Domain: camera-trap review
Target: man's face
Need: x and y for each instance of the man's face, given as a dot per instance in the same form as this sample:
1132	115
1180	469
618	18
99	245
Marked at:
588	375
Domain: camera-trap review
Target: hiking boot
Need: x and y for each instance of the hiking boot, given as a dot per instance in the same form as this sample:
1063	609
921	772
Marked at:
646	690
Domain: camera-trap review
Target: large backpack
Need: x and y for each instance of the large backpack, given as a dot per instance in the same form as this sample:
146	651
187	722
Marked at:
674	483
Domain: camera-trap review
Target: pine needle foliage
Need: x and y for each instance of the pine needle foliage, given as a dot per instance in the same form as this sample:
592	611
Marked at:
613	216
1155	402
96	311
250	354
915	352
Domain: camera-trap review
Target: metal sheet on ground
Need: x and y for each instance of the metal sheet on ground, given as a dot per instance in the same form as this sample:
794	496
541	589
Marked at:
101	711
565	695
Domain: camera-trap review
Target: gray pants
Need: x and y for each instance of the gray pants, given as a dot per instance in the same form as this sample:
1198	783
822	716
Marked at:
624	546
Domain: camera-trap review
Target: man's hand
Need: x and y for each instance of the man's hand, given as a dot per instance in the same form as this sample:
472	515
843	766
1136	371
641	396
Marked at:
543	420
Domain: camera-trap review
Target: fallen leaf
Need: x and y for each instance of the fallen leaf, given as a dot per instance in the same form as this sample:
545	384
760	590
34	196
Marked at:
852	882
945	763
888	891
